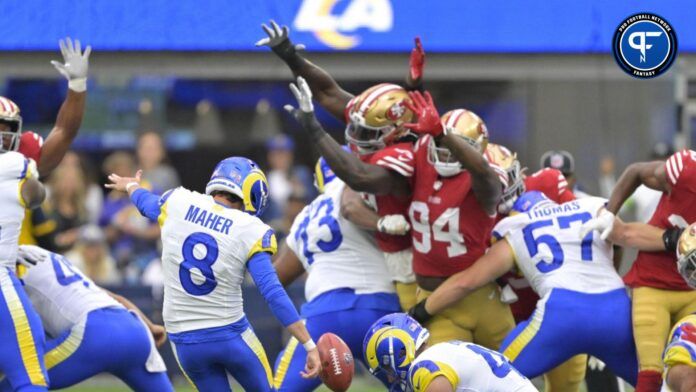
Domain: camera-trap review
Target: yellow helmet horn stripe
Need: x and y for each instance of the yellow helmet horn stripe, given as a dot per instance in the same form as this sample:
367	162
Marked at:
249	181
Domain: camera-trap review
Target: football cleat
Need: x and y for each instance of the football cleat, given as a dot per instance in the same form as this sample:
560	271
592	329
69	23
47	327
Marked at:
9	115
376	117
243	178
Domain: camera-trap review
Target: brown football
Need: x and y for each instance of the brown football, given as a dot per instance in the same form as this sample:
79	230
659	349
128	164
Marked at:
336	362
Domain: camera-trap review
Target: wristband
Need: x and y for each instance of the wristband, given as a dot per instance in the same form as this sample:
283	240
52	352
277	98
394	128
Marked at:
671	238
309	345
78	85
419	313
130	184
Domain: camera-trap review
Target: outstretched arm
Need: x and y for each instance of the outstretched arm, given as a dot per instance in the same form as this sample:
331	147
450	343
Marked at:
287	265
263	274
326	90
485	181
356	174
71	111
638	235
487	268
650	174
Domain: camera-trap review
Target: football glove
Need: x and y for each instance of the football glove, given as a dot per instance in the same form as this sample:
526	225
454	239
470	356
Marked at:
30	255
428	118
603	223
393	224
417	61
305	114
279	40
76	64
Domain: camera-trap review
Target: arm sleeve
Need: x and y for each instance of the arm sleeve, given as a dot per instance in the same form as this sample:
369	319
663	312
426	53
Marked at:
261	270
147	203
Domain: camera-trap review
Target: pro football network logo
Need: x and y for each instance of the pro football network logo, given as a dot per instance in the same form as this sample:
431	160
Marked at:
645	45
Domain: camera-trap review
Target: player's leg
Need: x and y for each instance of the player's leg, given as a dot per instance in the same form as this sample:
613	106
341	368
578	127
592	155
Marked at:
21	338
135	358
613	341
544	341
197	363
442	326
407	293
651	325
495	319
686	304
567	376
246	361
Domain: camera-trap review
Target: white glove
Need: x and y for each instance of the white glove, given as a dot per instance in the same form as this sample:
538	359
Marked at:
604	223
30	255
76	64
393	224
303	95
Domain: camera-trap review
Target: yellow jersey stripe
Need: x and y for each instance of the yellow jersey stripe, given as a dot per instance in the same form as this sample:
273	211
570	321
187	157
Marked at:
25	339
163	215
527	334
68	347
255	345
284	363
19	192
176	356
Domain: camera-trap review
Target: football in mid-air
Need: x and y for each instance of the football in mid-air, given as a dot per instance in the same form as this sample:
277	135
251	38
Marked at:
336	362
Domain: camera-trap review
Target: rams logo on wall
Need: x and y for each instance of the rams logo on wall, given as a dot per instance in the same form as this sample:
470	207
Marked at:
336	26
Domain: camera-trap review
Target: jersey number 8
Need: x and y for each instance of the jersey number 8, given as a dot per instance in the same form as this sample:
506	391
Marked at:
204	264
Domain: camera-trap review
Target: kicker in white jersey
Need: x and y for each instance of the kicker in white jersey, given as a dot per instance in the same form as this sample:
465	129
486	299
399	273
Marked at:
205	248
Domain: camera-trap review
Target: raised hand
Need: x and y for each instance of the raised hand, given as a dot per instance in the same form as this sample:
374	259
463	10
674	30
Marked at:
302	94
416	62
124	184
428	119
76	64
278	40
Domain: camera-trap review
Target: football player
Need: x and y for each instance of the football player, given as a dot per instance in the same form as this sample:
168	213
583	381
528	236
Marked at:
397	347
680	355
90	332
348	285
659	293
48	154
440	192
375	126
582	296
21	333
209	241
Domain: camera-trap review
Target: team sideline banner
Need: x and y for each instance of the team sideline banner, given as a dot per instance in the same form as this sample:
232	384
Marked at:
481	26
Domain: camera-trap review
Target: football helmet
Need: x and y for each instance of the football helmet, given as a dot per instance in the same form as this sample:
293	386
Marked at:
390	348
376	117
529	200
686	255
323	174
465	124
513	182
243	178
9	115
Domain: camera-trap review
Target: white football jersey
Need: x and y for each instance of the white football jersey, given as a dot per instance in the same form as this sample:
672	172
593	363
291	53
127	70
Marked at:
335	252
550	253
14	168
205	248
468	367
61	294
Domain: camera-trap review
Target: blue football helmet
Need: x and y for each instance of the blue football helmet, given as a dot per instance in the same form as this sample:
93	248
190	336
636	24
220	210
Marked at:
323	174
390	348
243	178
528	200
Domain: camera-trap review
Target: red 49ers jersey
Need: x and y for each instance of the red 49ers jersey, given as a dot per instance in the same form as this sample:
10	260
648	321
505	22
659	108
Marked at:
551	183
676	208
449	229
399	159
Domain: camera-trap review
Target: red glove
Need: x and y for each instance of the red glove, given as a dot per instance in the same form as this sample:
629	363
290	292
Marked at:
417	61
426	112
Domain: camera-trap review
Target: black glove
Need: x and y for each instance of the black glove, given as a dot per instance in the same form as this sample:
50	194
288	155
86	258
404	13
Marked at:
671	238
419	313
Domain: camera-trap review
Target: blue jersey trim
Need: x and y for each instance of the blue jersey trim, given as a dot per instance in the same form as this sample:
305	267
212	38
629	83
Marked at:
215	334
344	299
